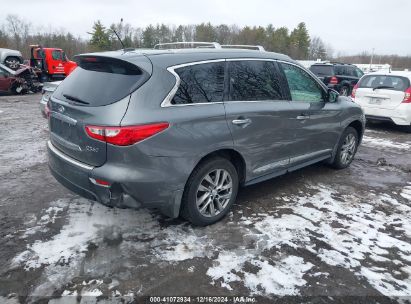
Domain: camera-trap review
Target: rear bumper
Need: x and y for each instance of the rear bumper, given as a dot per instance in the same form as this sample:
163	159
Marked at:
401	115
78	177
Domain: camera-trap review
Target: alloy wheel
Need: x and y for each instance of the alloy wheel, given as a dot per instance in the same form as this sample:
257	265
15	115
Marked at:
348	149
214	192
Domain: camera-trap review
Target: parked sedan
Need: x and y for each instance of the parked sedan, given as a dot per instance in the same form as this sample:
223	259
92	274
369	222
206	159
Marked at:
385	96
10	81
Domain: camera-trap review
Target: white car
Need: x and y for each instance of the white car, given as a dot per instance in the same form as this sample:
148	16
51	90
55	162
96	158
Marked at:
48	89
385	96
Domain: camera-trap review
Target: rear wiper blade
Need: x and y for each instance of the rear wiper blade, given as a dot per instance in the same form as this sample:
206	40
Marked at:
75	99
382	87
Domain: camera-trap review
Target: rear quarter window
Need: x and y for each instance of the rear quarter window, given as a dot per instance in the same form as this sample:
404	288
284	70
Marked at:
200	83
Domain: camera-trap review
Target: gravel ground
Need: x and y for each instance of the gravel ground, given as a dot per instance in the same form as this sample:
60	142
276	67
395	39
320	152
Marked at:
314	236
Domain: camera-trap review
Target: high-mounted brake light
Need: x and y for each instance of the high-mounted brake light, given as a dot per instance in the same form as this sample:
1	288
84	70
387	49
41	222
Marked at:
354	90
334	80
125	136
407	97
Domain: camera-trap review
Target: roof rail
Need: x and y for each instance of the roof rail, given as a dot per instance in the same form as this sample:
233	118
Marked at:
190	44
243	46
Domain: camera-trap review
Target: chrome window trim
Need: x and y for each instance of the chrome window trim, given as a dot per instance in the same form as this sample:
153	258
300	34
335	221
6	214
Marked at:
68	159
167	101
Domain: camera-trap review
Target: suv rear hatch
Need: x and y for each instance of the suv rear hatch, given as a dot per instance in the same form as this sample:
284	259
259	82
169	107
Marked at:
97	93
324	72
381	91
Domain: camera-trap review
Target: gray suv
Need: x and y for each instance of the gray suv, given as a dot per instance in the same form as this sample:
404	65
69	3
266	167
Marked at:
181	130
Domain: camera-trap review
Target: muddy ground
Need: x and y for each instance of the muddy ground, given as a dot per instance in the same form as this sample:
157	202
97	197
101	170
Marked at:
314	236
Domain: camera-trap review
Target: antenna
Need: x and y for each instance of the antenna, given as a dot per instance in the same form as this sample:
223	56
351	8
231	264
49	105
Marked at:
118	37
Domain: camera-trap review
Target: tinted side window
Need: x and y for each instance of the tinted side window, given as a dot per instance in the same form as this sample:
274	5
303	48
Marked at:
200	83
302	86
340	70
56	55
358	73
254	80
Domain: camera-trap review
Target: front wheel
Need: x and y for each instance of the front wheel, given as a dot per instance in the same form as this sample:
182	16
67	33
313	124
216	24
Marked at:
210	191
347	147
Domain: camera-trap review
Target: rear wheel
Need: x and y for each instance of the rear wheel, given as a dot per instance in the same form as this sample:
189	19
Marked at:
12	62
347	148
345	91
210	191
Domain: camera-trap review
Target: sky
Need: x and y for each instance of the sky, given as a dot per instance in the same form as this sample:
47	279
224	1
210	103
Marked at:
349	26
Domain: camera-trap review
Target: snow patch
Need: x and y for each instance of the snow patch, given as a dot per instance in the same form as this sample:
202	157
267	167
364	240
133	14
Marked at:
385	143
406	192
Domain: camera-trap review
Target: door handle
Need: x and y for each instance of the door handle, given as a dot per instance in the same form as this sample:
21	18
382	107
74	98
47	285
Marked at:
242	122
303	117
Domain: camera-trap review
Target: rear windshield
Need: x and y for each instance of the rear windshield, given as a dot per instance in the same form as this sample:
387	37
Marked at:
322	70
100	81
396	83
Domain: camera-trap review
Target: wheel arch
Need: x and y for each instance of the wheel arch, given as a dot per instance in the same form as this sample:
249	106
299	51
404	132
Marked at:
357	125
233	156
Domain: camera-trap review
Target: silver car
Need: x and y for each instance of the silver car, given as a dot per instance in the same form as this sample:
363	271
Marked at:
11	58
48	89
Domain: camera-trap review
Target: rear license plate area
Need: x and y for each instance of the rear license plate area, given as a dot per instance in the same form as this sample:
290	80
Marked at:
375	101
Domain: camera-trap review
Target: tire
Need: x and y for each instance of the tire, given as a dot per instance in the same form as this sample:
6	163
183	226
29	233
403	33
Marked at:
201	195
347	147
345	91
12	62
17	89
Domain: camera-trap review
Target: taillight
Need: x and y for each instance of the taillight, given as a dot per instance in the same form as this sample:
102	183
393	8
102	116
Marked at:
333	80
125	136
407	97
354	90
47	110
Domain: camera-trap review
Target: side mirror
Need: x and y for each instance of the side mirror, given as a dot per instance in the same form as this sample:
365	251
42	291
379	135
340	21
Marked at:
332	95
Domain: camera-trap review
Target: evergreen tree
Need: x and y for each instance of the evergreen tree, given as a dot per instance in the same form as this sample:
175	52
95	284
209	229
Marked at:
205	32
299	42
100	39
149	37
